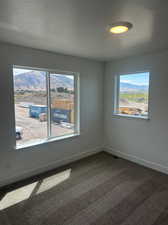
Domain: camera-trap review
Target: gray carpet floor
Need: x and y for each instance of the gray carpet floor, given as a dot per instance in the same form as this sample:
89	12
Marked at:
98	190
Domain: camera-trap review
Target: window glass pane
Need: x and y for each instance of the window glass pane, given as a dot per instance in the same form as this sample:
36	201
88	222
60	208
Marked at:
30	105
133	94
62	104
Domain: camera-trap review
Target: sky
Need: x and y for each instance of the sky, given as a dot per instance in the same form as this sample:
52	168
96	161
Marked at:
137	79
17	71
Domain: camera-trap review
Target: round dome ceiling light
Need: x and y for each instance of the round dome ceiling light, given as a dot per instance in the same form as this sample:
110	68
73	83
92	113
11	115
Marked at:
119	27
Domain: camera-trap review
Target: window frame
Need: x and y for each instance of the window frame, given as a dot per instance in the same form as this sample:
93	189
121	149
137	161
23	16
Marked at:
50	138
116	94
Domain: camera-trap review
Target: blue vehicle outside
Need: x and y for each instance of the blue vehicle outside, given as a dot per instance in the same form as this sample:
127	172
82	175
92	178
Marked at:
57	115
60	115
36	110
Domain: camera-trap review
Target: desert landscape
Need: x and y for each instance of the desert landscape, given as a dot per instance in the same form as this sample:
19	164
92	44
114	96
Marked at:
30	91
133	99
33	129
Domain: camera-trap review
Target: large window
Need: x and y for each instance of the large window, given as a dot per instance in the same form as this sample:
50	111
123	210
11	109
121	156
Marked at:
132	95
46	105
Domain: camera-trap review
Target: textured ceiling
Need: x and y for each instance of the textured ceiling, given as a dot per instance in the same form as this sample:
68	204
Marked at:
78	27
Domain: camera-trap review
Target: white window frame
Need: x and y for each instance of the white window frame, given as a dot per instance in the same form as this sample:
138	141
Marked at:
50	138
117	93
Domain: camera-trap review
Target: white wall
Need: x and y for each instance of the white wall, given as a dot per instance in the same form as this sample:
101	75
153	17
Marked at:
16	164
143	141
139	140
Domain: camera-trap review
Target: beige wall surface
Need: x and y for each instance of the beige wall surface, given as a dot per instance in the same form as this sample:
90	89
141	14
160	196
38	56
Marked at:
143	141
16	164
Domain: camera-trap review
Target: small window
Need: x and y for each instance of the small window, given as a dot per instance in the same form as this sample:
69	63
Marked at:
46	105
132	95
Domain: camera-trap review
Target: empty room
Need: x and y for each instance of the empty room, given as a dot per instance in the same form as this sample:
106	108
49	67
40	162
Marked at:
83	112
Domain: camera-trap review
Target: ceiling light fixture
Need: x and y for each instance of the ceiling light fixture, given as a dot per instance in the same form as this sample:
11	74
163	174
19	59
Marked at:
119	27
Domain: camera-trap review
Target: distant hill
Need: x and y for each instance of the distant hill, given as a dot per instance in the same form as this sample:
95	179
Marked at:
127	87
37	80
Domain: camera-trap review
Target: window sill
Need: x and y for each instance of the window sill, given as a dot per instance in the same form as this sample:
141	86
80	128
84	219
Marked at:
46	140
131	116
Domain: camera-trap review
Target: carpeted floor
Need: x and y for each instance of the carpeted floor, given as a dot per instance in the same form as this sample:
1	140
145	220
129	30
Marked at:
98	190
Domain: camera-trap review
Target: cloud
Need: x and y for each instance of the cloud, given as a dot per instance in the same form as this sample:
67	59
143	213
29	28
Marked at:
133	82
17	71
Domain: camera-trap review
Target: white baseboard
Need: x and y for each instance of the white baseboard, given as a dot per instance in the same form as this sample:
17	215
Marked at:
52	165
75	157
137	160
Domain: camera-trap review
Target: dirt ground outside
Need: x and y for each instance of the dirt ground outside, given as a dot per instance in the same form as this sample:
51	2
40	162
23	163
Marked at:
33	129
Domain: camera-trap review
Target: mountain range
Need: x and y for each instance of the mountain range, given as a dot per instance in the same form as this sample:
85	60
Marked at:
37	80
127	87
